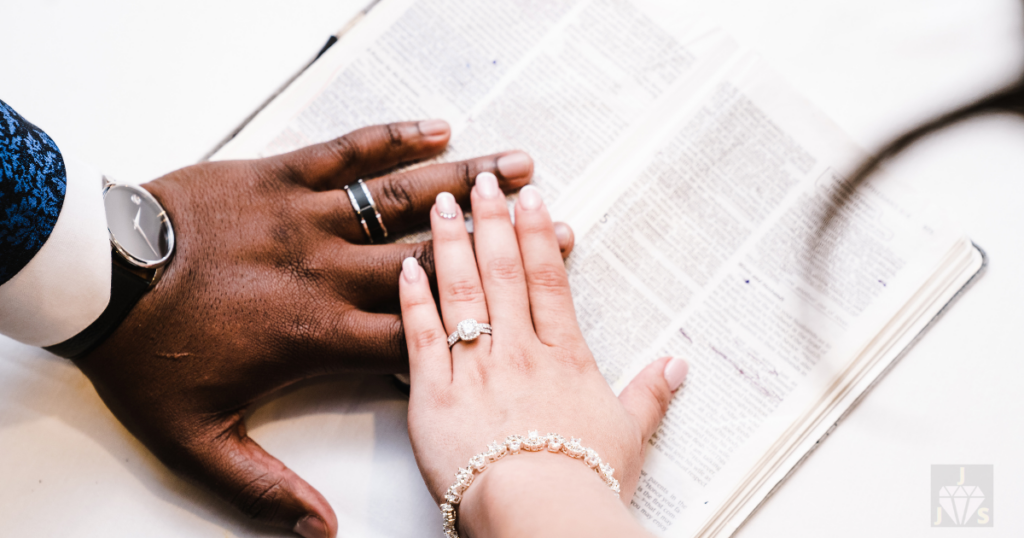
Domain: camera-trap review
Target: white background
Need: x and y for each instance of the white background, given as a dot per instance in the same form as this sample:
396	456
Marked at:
140	89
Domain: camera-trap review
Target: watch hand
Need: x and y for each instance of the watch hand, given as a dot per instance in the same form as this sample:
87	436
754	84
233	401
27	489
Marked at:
142	233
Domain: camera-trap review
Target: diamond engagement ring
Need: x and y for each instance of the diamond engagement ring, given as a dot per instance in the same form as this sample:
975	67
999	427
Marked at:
467	331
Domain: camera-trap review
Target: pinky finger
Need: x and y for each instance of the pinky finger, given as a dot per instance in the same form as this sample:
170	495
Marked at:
430	362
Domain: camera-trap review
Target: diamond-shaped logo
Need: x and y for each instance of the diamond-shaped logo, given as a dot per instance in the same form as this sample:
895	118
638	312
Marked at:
962	495
959	502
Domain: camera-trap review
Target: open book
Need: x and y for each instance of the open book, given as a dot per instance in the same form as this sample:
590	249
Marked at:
696	182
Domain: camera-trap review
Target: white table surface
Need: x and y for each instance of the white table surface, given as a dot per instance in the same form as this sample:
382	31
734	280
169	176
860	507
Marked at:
140	90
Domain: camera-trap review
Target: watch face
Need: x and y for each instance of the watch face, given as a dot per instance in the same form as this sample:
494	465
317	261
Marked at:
138	225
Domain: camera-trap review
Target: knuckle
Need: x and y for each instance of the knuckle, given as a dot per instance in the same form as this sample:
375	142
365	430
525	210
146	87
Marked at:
301	332
424	253
506	269
547	277
269	175
465	291
520	360
394	134
397	342
533	226
477	374
580	363
448	235
260	498
396	195
428	339
345	149
494	210
466	171
292	254
419	300
289	166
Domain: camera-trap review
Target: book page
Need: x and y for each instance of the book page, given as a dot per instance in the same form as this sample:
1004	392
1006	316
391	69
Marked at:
563	81
712	248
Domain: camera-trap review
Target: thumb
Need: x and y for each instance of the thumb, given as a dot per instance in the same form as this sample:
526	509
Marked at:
239	471
647	396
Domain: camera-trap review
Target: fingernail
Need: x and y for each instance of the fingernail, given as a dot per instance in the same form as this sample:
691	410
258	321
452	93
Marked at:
446	206
433	127
487	185
410	270
515	165
675	373
563	233
529	197
311	527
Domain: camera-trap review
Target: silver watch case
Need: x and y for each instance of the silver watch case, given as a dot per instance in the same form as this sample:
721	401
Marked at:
139	228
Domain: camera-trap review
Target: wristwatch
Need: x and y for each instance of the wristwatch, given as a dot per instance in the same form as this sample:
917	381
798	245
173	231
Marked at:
141	244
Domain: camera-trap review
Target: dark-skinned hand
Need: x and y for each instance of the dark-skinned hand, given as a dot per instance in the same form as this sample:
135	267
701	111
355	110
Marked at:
272	282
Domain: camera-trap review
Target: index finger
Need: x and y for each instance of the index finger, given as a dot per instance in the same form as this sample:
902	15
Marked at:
338	162
403	199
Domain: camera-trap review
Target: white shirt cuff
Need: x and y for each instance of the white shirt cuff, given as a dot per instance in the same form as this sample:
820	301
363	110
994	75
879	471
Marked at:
66	286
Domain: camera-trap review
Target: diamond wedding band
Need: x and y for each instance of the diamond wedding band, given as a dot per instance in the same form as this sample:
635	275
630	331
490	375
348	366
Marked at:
467	331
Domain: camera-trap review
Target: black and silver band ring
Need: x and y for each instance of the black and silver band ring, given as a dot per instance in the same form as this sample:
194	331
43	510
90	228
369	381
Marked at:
366	210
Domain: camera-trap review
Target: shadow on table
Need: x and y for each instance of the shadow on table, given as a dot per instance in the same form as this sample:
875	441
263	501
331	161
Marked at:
346	435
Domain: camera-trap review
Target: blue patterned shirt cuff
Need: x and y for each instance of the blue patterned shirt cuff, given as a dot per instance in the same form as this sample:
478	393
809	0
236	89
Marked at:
54	248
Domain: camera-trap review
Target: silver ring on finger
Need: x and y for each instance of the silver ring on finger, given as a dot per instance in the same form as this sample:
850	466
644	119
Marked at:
467	331
366	210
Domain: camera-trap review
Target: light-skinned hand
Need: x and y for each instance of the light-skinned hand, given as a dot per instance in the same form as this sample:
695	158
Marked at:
534	373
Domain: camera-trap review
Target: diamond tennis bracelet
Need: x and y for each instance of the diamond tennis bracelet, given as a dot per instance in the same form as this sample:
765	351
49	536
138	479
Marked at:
533	442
